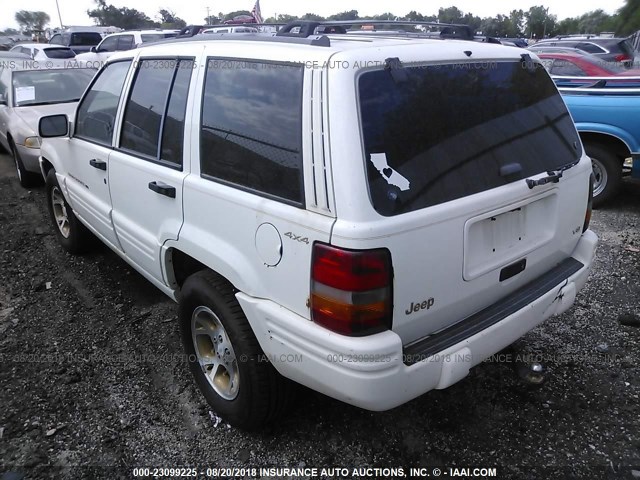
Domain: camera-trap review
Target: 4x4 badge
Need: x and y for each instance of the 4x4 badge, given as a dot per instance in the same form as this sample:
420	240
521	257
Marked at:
297	238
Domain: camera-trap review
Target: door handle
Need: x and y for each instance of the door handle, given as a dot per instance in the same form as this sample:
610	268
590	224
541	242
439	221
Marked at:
99	164
163	189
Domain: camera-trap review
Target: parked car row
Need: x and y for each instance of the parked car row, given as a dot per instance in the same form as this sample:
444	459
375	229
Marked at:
582	65
609	49
120	42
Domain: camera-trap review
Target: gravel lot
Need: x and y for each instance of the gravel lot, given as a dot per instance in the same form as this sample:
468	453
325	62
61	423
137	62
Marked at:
91	375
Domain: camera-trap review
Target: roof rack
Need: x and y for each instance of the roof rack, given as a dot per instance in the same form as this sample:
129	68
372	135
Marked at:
314	33
303	28
316	40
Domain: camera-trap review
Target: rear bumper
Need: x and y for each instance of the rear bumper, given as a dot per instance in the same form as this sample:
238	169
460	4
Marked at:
377	372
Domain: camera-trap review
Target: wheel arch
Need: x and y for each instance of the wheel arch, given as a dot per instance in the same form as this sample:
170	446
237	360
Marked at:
611	142
45	166
179	266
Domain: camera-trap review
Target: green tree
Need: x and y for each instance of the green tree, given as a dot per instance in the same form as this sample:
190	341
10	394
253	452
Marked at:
127	18
497	26
383	16
629	18
414	16
567	26
237	13
312	17
350	15
471	20
539	23
30	22
169	20
516	23
281	18
450	15
594	22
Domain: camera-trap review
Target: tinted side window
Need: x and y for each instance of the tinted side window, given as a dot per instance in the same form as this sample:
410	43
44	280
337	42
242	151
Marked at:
251	126
86	38
566	68
148	112
590	48
97	111
125	42
57	39
173	133
109	44
146	105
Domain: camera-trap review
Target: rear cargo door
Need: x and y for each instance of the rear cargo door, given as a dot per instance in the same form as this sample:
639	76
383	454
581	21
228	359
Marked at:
448	150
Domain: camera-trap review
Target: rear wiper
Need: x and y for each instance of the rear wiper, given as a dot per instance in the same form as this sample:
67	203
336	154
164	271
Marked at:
554	176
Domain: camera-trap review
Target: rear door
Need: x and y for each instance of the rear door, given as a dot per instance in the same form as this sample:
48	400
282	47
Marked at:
147	168
447	151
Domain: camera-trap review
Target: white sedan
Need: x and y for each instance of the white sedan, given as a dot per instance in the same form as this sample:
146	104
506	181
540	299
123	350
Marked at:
27	92
44	51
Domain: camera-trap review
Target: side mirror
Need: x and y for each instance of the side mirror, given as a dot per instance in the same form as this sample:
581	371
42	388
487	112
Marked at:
53	126
93	50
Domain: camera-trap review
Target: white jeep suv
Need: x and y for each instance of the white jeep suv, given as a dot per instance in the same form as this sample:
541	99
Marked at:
370	217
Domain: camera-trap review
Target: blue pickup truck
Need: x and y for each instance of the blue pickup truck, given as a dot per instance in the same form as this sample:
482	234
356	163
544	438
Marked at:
607	115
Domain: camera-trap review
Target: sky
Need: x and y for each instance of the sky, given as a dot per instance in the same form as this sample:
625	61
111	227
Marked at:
194	11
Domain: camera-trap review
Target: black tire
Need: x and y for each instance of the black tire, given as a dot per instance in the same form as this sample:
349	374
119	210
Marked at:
74	237
262	394
27	179
607	172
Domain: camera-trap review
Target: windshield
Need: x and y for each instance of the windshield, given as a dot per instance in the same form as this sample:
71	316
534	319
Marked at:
44	87
86	38
436	133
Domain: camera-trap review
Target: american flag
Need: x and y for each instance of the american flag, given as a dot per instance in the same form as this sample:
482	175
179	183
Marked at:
256	13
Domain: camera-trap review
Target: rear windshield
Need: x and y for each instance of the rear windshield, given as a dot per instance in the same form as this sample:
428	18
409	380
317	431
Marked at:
59	53
86	38
441	132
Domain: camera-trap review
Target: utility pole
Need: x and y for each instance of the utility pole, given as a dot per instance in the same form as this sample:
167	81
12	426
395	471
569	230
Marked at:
208	16
59	16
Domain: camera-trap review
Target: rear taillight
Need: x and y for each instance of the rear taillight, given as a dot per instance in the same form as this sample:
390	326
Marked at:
351	290
587	215
622	57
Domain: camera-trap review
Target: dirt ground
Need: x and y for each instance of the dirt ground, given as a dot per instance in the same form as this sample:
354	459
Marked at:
92	382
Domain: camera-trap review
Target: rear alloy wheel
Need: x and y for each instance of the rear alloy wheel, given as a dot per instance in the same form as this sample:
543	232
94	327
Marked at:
70	232
607	173
225	358
27	179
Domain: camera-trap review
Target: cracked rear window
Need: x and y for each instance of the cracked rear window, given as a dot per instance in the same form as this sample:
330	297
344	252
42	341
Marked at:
437	133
